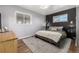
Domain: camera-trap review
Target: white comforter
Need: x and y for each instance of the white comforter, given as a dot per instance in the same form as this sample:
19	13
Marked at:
55	36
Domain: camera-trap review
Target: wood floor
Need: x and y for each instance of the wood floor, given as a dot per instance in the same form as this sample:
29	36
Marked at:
73	48
22	48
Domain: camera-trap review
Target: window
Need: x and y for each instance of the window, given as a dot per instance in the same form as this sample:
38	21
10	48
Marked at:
22	18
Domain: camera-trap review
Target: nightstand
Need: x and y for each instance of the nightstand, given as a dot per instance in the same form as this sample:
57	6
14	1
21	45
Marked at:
70	31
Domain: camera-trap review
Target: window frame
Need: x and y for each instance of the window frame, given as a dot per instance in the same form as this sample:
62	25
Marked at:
23	13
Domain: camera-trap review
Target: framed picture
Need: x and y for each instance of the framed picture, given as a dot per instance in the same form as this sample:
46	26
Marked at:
60	18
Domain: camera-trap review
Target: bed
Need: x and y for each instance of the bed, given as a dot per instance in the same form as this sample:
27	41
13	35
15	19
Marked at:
53	36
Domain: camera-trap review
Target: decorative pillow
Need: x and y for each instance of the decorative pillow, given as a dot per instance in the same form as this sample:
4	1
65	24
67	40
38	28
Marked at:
59	28
55	28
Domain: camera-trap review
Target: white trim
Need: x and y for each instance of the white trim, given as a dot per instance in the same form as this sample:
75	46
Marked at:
25	37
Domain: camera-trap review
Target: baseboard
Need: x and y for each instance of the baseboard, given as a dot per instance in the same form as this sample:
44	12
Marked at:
25	37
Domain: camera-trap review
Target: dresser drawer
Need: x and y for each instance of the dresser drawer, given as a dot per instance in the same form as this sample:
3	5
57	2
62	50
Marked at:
8	46
7	36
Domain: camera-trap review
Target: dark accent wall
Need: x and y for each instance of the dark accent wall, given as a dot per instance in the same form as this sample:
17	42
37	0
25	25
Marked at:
0	21
71	16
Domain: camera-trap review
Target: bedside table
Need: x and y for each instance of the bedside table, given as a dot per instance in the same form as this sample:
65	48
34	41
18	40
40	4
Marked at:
71	32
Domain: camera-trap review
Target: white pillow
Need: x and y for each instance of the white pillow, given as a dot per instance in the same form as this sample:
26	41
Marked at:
55	28
59	28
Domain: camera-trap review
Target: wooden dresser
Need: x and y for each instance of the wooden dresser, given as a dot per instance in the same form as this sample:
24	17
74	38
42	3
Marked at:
8	42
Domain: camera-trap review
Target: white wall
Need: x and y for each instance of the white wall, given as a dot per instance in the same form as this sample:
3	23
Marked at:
77	24
21	30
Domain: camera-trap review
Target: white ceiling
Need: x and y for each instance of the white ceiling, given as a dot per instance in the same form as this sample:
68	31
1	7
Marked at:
50	10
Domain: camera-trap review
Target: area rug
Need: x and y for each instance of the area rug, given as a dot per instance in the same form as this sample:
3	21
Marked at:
39	46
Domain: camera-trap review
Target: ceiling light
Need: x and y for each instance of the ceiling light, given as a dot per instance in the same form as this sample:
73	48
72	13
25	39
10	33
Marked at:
44	6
